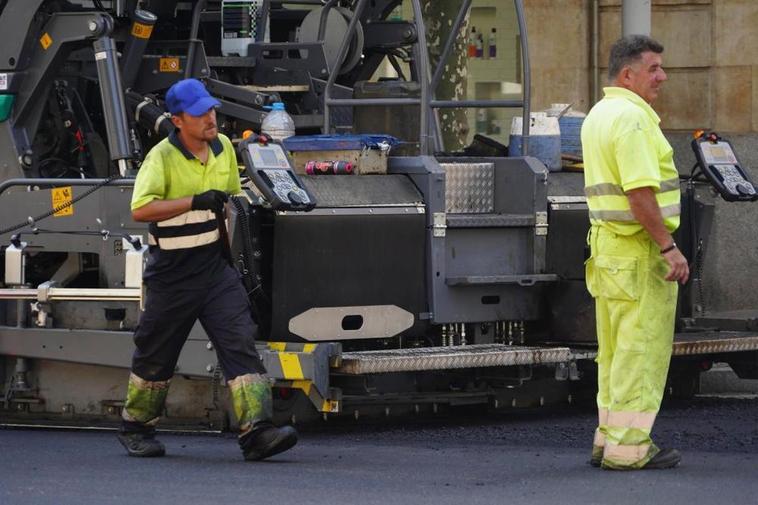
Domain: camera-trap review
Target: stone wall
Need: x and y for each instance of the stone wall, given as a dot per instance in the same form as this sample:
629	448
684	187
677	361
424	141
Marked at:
711	58
559	52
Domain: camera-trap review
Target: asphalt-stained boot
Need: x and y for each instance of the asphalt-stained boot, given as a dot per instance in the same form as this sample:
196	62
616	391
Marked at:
266	440
597	456
666	458
141	445
142	410
253	406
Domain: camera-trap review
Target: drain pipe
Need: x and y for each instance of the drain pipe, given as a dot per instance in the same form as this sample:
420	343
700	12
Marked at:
595	51
635	17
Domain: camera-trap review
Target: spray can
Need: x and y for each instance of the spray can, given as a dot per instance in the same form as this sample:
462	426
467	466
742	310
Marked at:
328	167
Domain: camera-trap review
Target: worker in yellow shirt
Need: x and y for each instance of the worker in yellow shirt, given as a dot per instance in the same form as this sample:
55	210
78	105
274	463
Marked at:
632	189
181	189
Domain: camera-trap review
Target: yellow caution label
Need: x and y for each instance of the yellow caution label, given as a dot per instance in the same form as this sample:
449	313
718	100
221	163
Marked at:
63	196
142	31
46	41
169	64
330	406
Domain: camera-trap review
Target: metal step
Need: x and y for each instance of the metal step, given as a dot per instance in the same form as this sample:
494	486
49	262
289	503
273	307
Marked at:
448	358
690	344
686	344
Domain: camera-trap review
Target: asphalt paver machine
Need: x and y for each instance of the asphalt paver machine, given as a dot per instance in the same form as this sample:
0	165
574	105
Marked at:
444	279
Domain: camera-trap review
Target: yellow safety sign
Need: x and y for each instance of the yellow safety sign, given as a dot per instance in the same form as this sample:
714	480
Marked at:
169	64
142	31
63	196
46	40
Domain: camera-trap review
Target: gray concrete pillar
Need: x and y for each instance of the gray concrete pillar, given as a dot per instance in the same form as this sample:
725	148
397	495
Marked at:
635	17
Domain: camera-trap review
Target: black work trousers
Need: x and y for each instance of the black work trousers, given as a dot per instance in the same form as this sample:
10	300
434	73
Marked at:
224	312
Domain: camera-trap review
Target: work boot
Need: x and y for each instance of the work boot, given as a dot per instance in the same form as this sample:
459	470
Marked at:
597	456
141	445
265	440
666	458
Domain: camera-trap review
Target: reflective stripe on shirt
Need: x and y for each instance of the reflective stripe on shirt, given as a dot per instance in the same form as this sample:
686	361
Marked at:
195	228
608	189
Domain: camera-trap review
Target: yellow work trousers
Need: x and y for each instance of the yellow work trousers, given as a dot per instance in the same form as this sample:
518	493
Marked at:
635	311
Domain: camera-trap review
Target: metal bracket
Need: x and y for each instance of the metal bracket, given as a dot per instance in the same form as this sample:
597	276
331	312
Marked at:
15	263
135	264
439	224
305	367
541	225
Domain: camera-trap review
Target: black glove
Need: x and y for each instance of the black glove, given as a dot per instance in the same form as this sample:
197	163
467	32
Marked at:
212	199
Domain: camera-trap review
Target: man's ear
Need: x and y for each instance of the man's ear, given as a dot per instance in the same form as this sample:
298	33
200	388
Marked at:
625	75
177	120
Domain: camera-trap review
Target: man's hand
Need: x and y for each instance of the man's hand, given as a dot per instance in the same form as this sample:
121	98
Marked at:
679	270
212	199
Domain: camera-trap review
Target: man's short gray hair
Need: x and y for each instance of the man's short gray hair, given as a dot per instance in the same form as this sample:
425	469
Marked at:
628	50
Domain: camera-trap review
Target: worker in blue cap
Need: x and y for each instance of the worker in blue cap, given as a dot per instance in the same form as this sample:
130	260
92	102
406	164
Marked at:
181	189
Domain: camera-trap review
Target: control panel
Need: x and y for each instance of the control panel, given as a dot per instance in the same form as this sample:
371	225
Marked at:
718	162
270	169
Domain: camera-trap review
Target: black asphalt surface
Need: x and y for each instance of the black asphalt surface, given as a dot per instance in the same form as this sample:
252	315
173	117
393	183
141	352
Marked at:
528	457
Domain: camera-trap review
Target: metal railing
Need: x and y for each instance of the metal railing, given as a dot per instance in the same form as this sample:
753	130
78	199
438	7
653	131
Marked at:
427	99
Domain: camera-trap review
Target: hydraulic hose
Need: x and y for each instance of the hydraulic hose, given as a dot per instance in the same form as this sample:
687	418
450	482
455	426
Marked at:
149	115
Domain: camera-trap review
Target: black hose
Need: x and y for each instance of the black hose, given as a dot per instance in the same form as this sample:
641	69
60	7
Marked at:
148	114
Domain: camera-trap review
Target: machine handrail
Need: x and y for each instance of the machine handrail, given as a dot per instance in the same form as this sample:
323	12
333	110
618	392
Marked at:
428	89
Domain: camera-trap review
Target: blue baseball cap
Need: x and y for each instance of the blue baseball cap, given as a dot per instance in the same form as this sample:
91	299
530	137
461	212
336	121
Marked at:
190	96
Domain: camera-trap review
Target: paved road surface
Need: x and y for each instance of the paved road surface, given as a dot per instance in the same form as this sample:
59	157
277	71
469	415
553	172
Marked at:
532	458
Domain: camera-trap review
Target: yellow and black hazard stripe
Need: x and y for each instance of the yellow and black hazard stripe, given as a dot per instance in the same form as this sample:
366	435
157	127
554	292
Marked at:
294	368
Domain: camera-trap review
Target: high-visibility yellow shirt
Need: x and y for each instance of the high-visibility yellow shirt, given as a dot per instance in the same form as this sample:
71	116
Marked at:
625	149
170	171
190	255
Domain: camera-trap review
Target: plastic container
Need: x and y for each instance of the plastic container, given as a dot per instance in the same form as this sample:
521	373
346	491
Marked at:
571	134
492	44
278	124
570	122
544	139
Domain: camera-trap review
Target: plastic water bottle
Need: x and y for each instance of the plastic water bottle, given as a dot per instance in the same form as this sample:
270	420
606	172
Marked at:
278	124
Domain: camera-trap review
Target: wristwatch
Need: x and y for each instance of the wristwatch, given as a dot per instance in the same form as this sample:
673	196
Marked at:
669	248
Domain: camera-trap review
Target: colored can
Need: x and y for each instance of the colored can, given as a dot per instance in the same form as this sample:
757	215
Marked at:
328	167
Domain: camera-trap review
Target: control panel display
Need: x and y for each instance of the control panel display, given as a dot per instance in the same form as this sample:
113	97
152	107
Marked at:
269	167
718	152
718	162
270	156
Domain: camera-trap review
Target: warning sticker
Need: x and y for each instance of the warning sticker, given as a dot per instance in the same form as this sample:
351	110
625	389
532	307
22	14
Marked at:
141	31
62	196
46	40
169	64
3	82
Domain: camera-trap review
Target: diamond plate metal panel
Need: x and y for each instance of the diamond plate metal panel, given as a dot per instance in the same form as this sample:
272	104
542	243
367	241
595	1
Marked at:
469	188
447	358
714	344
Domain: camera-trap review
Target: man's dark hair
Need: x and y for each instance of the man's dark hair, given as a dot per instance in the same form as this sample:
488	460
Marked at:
628	50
